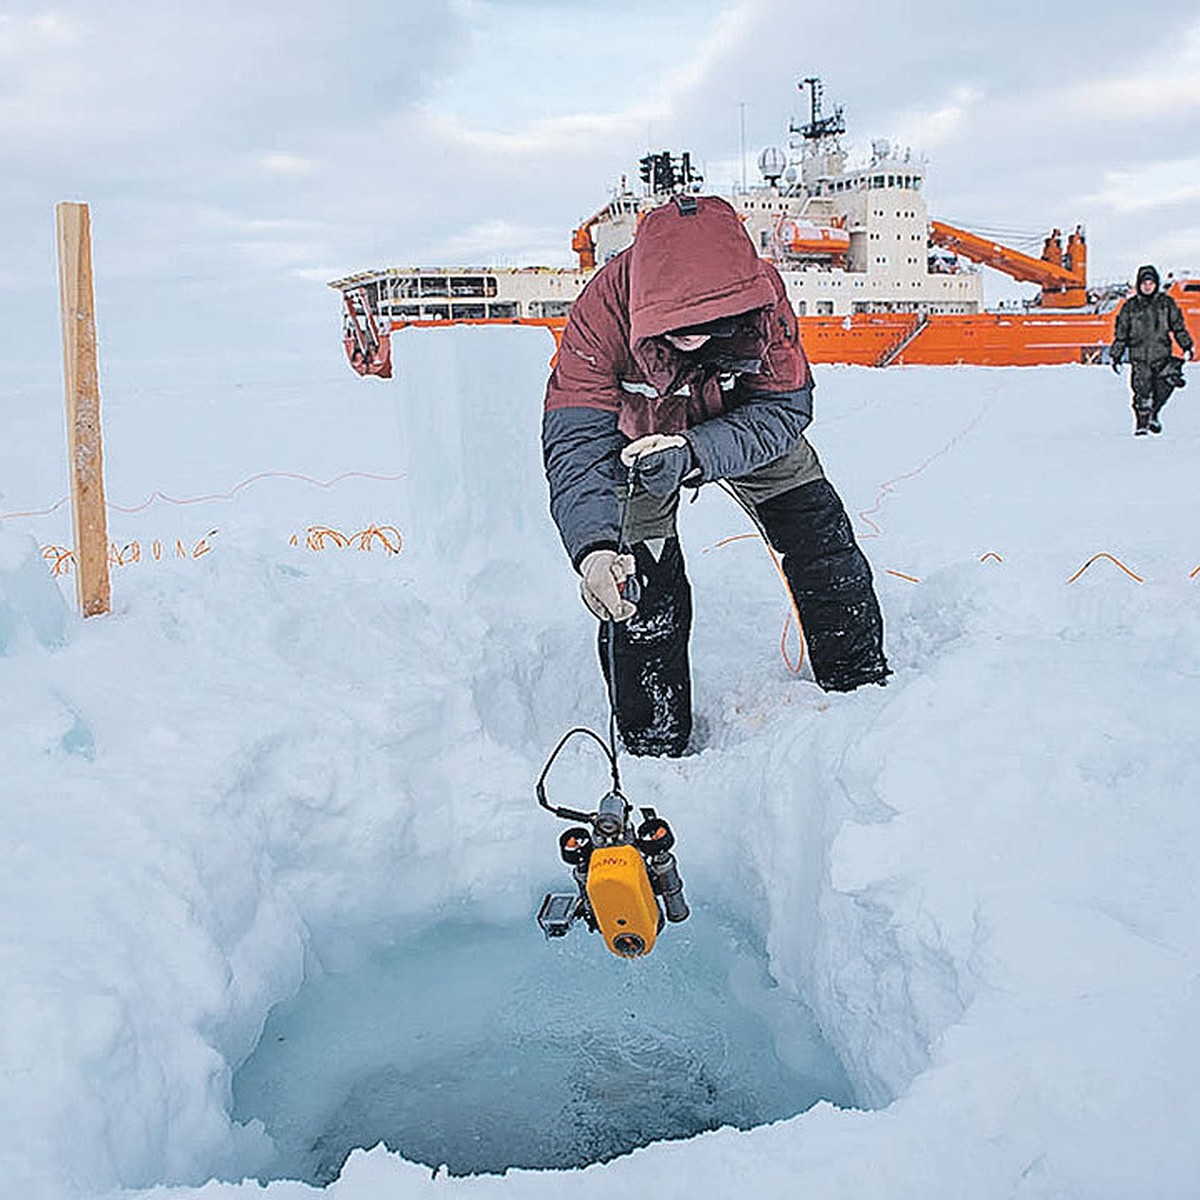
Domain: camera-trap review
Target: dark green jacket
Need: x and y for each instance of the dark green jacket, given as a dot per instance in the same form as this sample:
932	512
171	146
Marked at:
1144	327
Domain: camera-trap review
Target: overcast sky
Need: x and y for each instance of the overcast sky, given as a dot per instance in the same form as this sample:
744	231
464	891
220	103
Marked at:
236	155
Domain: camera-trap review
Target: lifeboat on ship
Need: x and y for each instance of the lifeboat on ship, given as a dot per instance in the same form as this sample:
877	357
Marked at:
803	239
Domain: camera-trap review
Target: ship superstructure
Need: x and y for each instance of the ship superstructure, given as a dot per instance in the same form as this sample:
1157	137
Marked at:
872	278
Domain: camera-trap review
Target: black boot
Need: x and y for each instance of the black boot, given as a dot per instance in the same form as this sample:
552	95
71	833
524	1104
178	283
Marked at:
831	583
652	692
1141	421
1154	424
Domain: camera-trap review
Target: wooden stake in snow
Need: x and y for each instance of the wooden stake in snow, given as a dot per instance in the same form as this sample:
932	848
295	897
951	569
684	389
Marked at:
81	376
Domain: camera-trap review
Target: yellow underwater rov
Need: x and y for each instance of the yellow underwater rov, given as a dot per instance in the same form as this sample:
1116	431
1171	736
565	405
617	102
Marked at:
627	883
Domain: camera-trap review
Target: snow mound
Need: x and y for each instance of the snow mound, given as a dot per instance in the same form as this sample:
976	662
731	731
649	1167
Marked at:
279	790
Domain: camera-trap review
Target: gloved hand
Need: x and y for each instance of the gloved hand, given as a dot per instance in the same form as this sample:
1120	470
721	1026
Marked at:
602	573
663	460
1188	354
1116	366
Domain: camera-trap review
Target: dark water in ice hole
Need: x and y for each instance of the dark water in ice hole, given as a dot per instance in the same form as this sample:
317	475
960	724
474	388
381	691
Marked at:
483	1048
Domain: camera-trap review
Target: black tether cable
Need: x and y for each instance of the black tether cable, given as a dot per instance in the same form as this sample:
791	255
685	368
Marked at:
611	749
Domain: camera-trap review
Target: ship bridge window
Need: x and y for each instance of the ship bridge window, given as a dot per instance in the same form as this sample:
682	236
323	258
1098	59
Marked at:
471	285
405	288
549	308
436	312
469	312
503	308
824	308
434	285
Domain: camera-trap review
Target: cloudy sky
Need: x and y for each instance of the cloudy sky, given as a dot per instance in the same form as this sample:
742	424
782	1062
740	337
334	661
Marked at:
236	155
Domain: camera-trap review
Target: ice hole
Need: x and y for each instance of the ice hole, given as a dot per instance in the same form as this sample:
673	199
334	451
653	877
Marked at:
483	1048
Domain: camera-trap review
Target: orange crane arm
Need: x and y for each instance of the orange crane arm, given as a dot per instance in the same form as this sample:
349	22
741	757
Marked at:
582	243
1023	267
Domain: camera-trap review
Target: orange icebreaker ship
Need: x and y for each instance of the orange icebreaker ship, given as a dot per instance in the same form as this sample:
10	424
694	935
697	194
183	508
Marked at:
872	278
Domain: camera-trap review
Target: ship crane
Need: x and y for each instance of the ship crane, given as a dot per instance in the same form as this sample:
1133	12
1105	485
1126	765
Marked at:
582	241
1061	276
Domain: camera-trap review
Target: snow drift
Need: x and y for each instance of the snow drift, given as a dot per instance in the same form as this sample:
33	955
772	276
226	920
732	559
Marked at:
971	896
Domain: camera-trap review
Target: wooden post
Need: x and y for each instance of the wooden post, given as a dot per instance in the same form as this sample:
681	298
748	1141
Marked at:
82	379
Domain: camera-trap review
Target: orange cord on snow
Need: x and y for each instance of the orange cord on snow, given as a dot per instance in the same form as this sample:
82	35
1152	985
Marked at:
62	558
388	536
793	615
992	555
901	575
229	495
1104	554
319	534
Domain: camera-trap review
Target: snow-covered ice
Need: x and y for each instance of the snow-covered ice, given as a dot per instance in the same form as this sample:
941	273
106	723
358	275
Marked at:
290	790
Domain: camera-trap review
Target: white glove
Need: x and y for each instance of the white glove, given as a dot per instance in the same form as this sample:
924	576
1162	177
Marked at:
603	572
663	460
649	444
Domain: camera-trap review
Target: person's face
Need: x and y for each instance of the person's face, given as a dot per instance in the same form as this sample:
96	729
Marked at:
1147	286
687	341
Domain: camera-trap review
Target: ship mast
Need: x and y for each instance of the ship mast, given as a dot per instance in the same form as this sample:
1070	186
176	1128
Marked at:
821	154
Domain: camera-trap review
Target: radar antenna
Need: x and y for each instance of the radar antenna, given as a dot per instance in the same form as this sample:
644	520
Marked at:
665	173
819	127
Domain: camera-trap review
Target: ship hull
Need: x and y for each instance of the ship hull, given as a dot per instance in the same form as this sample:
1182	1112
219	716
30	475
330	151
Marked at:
986	339
978	339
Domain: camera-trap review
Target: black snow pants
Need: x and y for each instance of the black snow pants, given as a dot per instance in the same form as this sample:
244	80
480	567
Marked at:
1152	384
830	581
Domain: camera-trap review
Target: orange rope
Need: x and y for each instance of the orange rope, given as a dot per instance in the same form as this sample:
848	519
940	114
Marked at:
793	614
992	555
901	575
318	533
62	558
886	488
233	491
1104	554
388	536
59	559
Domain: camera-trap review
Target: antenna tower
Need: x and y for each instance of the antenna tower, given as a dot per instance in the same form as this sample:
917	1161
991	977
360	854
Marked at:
819	127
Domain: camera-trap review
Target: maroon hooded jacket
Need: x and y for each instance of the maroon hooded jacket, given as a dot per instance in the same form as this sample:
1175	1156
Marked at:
741	401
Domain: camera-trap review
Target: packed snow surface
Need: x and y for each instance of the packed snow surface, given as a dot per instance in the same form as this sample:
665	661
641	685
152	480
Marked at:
271	852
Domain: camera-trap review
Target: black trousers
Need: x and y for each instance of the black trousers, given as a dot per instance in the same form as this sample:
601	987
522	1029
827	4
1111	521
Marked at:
1151	384
830	581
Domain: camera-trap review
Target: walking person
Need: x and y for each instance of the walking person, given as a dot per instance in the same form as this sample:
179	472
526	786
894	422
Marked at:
681	365
1143	331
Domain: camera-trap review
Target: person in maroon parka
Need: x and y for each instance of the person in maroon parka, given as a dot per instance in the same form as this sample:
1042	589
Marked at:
680	365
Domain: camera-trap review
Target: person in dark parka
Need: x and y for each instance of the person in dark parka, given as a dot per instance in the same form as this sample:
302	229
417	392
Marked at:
681	365
1143	331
